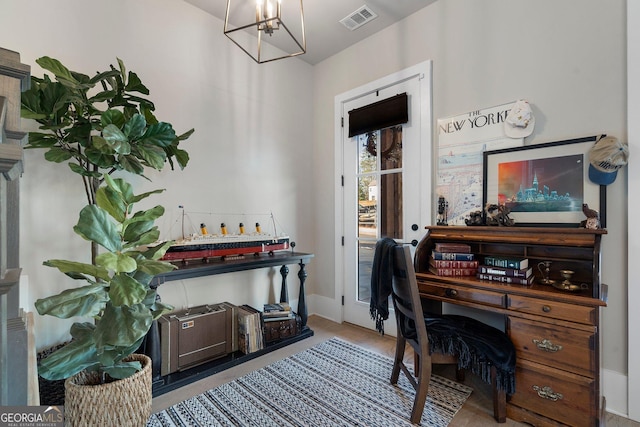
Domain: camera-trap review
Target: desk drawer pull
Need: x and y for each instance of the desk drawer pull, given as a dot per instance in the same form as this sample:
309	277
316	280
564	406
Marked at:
546	308
547	392
547	345
451	293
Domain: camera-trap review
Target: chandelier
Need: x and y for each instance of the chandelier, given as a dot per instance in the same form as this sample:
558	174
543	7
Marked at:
266	30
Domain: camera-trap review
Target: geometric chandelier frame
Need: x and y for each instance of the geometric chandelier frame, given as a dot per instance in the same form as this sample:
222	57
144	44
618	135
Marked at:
258	27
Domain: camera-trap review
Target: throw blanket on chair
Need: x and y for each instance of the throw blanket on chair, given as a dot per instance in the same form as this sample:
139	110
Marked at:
381	281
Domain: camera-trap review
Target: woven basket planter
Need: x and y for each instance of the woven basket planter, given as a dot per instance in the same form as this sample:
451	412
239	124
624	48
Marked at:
125	402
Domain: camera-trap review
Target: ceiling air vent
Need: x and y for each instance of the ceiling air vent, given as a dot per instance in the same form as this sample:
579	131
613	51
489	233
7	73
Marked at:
358	18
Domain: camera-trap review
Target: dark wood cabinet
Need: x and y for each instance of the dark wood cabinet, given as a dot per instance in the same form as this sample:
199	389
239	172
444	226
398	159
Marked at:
555	331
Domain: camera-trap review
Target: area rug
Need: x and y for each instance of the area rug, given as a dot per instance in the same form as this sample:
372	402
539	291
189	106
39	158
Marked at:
334	383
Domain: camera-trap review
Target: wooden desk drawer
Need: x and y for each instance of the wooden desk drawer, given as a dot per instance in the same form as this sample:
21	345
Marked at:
563	348
554	393
553	309
454	294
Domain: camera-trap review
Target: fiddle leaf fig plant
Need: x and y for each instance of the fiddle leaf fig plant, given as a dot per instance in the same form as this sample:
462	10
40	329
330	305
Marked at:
99	125
117	295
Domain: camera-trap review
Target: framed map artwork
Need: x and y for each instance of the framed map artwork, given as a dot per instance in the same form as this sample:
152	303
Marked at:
462	141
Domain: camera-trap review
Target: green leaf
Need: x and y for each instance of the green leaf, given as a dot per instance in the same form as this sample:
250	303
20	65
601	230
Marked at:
112	202
58	155
31	108
79	269
102	96
149	237
125	290
94	225
112	117
132	231
101	145
135	127
105	75
160	134
148	215
146	111
83	301
131	164
74	357
123	70
123	325
158	251
153	268
135	84
182	157
101	160
158	309
118	140
118	262
60	71
141	196
41	140
80	132
122	187
153	156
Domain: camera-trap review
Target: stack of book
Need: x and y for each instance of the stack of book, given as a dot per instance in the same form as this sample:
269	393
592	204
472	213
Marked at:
506	270
453	259
277	312
250	336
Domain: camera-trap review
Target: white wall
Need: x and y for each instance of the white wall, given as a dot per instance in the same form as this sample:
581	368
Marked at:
251	151
567	58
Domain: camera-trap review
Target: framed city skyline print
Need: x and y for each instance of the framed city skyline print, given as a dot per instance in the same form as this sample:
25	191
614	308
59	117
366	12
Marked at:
544	184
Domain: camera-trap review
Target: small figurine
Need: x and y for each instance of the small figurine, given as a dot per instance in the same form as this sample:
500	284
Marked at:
593	218
498	215
475	218
443	205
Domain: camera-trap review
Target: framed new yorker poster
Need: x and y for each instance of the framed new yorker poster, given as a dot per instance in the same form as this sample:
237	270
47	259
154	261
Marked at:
544	184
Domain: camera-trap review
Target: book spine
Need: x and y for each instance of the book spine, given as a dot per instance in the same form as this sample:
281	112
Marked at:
453	264
453	247
452	256
516	263
453	271
502	271
506	279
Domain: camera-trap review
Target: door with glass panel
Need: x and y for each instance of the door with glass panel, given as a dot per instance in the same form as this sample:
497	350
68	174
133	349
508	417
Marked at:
386	191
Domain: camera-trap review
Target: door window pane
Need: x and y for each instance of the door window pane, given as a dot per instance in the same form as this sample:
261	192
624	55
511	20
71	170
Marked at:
367	148
391	148
368	206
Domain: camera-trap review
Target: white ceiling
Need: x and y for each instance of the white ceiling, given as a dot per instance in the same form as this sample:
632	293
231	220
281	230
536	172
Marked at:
325	35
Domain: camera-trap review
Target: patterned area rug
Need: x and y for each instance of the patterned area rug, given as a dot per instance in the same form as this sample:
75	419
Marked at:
332	384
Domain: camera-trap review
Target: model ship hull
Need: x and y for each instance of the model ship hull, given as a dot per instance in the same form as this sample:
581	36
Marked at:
214	247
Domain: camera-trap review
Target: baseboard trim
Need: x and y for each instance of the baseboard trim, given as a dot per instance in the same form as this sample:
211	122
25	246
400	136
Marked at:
614	387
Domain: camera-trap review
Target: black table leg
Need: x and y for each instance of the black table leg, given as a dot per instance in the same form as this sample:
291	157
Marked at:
284	293
302	304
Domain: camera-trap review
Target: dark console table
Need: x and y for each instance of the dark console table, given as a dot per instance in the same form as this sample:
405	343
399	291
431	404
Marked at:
164	384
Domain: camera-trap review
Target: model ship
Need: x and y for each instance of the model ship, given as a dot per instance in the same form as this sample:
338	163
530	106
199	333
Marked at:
204	246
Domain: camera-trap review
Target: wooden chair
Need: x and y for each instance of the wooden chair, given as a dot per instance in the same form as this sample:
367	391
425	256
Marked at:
448	339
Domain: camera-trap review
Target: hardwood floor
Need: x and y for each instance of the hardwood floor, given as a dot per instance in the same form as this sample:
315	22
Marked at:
476	412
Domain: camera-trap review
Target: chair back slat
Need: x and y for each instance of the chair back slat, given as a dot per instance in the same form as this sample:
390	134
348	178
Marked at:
405	295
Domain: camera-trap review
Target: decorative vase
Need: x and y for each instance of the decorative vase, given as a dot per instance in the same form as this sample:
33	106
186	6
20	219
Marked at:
125	402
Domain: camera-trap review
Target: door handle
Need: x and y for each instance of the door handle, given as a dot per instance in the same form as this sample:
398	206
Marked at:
414	242
415	227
